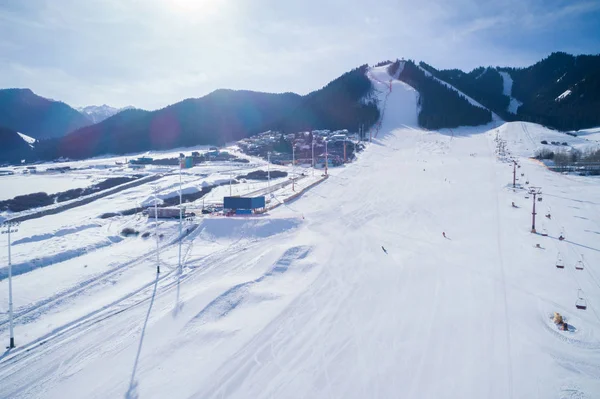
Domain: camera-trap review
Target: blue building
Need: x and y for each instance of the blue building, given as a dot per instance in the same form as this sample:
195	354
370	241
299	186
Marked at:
243	205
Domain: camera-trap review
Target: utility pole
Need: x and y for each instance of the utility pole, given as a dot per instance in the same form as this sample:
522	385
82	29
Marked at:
345	151
269	171
181	161
11	227
313	156
514	174
156	200
325	157
293	165
534	191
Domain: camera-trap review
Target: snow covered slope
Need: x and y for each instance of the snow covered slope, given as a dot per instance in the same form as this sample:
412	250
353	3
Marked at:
350	291
397	101
589	134
27	139
507	81
526	139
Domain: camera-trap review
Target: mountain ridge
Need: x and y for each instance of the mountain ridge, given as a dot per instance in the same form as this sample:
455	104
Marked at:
24	111
561	91
98	113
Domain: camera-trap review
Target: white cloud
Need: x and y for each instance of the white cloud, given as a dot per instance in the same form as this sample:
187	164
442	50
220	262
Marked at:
155	52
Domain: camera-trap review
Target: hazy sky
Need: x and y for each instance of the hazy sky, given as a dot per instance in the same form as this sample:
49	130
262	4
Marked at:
151	53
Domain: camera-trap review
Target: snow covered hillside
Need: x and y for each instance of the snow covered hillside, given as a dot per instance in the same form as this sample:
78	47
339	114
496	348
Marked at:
405	274
397	97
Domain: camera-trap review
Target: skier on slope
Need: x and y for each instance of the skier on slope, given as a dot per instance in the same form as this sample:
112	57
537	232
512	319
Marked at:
444	234
384	250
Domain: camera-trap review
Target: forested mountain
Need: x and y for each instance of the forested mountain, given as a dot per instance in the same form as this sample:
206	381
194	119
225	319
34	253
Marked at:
222	116
561	91
482	84
13	148
23	111
440	106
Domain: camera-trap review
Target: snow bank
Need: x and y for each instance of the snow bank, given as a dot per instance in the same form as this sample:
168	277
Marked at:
250	227
25	267
55	233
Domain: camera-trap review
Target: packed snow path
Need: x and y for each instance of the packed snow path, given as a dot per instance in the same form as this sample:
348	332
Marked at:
304	303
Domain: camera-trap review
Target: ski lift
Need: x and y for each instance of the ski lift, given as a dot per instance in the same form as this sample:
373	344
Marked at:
559	262
581	303
579	264
544	232
562	234
539	199
522	174
526	196
548	215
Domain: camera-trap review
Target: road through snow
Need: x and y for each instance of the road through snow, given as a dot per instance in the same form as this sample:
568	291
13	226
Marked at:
303	303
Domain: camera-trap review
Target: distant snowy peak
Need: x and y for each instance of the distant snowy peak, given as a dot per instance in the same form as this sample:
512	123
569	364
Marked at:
98	113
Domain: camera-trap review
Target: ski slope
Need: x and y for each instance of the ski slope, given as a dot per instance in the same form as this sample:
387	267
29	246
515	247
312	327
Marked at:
507	83
304	303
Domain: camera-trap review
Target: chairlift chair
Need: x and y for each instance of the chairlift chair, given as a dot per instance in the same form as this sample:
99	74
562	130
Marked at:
579	264
539	199
544	232
559	262
581	303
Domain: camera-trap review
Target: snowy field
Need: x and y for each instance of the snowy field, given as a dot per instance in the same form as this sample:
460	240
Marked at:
349	291
13	185
85	173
